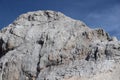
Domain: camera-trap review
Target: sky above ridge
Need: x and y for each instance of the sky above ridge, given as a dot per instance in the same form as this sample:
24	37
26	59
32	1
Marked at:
95	13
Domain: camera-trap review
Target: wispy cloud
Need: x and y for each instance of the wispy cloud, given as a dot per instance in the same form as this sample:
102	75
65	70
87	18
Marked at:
109	19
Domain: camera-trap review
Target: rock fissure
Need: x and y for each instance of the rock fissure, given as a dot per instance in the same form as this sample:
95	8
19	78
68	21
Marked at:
38	67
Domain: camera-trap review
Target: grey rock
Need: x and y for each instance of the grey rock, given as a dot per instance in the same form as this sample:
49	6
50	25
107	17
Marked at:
47	45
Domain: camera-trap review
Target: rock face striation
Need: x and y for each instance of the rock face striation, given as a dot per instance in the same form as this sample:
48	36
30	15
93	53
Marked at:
47	45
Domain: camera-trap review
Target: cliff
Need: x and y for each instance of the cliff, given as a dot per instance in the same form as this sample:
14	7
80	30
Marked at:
47	45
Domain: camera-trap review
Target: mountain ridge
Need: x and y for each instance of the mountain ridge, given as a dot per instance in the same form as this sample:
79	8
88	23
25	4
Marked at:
47	45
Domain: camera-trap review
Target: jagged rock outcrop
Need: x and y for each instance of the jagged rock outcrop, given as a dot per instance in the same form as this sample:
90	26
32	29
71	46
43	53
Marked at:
47	45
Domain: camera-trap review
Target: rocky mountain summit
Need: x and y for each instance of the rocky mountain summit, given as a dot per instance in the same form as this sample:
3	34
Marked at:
47	45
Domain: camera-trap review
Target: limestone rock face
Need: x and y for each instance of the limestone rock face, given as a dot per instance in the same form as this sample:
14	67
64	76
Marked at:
47	45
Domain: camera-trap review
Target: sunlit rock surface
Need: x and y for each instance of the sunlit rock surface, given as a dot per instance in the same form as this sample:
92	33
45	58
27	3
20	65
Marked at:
47	45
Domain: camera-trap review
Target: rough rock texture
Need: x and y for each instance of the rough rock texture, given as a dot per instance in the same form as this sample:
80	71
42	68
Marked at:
47	45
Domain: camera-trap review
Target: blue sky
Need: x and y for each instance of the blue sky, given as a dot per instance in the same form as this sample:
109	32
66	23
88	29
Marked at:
95	13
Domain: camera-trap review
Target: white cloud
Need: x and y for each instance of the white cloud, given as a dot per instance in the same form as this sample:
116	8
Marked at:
108	18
